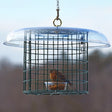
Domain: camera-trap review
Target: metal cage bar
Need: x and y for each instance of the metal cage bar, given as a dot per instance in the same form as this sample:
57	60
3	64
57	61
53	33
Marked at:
65	53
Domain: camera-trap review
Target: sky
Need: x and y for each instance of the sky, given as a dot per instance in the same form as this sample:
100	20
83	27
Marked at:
17	14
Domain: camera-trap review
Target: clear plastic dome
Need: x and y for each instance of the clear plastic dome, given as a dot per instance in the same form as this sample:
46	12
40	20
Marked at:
95	39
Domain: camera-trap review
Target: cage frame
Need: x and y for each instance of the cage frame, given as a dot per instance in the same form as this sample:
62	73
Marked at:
44	91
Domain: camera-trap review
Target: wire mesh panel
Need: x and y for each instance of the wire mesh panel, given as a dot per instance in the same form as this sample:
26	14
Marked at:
55	62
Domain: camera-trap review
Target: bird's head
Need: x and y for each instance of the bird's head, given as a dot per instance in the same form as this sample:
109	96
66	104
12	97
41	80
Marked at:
54	71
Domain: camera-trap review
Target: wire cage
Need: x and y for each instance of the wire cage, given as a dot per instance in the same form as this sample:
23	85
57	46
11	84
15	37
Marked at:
55	51
56	59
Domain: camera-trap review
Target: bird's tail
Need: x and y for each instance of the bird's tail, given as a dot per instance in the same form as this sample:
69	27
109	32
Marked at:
69	82
71	85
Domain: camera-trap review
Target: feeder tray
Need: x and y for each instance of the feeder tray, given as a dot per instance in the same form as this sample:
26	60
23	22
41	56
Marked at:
56	85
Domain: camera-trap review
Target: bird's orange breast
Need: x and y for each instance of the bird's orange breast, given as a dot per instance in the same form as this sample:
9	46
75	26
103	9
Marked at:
53	76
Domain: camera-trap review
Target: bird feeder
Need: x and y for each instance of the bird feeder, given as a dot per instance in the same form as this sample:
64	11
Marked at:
62	49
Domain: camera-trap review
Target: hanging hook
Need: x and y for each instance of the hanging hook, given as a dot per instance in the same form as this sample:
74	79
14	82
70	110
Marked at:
57	18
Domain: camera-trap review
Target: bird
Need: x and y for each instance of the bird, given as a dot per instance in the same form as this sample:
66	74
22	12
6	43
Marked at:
55	75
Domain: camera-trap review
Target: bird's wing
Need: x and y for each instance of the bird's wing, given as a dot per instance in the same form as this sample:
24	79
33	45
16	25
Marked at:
61	76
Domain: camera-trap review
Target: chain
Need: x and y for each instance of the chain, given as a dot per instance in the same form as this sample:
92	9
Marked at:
57	9
57	4
57	17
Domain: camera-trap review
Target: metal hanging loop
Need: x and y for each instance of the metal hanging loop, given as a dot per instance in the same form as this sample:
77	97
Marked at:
54	22
57	19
